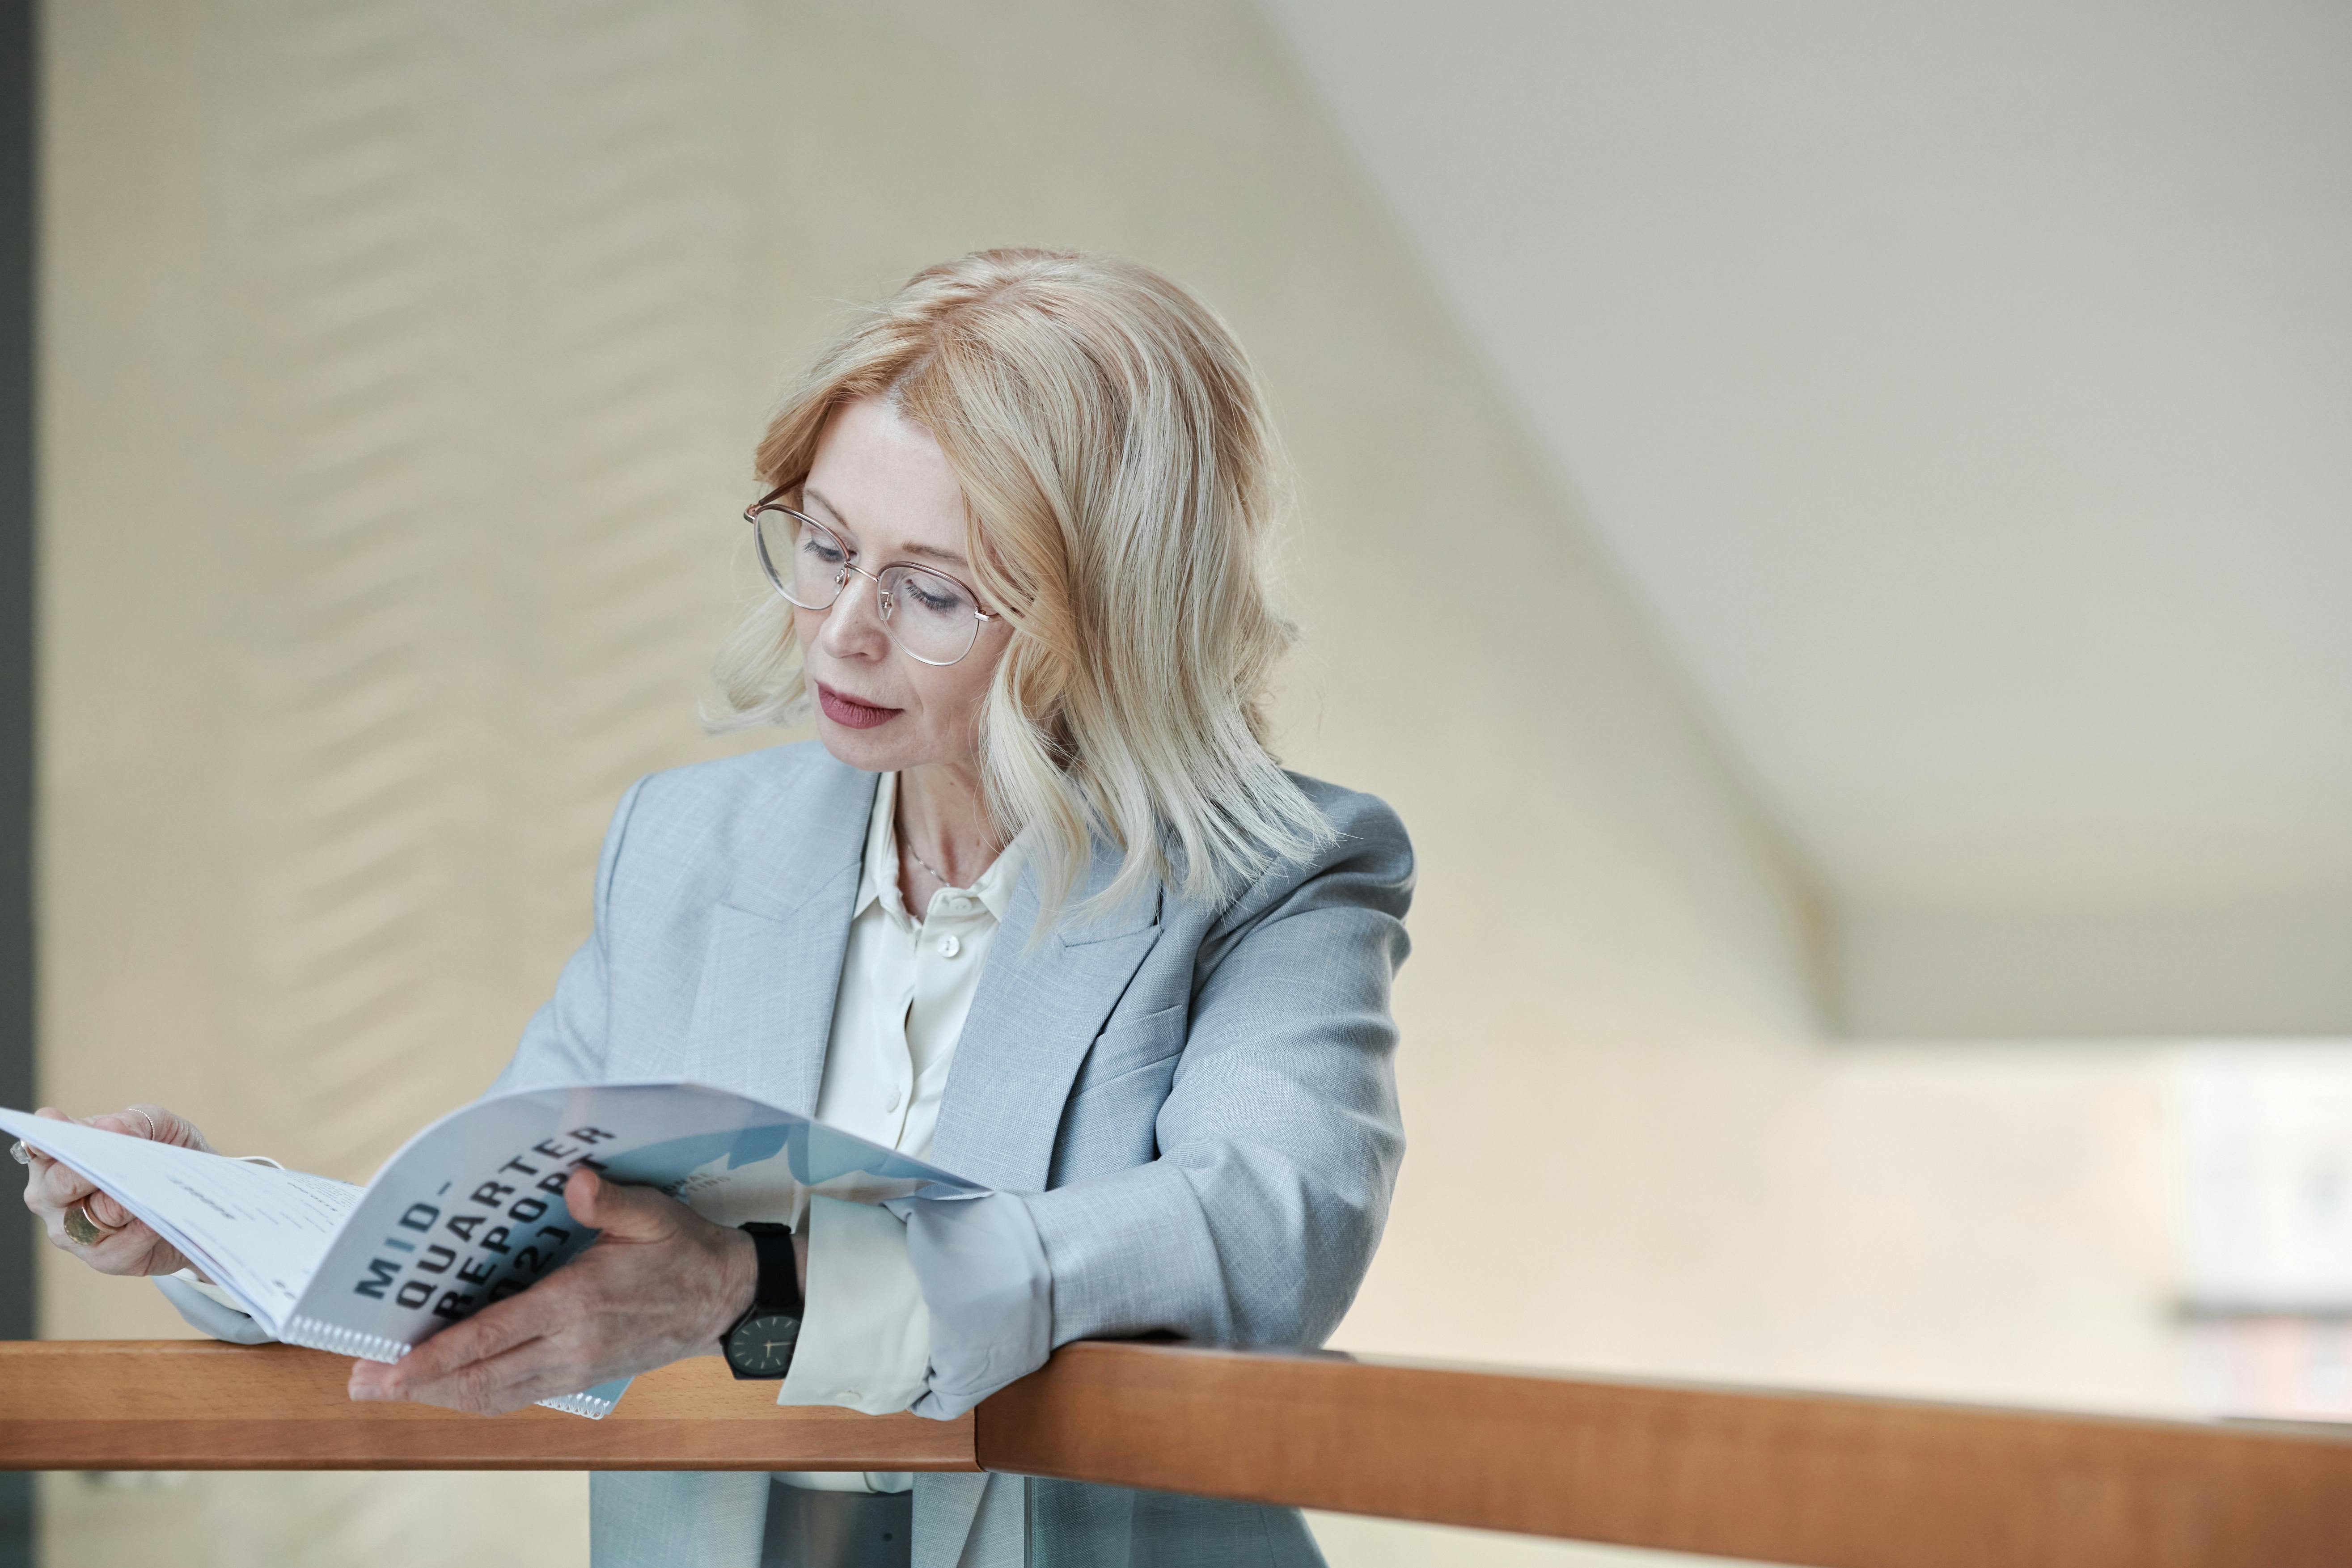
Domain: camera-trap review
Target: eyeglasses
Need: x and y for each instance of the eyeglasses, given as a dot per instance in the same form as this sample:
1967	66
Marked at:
932	617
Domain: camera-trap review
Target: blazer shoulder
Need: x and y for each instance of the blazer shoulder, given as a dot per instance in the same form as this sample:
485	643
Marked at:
1365	868
1362	824
1367	861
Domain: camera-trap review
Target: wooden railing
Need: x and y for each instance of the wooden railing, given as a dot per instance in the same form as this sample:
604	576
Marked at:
1837	1481
198	1405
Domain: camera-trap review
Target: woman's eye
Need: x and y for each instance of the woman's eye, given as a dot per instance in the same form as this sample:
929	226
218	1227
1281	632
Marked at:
824	549
933	595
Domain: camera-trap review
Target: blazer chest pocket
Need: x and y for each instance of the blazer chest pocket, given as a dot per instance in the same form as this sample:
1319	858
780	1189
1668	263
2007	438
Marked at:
1130	1047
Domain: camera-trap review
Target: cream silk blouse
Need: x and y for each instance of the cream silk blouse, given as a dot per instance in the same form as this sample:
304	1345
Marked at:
906	987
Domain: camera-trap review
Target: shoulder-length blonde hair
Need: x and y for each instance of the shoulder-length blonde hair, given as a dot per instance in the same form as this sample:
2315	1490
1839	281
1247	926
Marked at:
1119	473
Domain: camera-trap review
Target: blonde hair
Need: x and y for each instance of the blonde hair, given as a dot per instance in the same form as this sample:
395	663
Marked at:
1119	471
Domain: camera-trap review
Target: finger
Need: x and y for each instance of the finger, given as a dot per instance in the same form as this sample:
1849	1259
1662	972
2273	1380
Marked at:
159	1125
125	1251
106	1212
176	1128
32	1145
488	1332
134	1249
461	1386
59	1183
509	1381
487	1385
37	1185
44	1162
62	1225
621	1213
148	1123
62	1186
367	1380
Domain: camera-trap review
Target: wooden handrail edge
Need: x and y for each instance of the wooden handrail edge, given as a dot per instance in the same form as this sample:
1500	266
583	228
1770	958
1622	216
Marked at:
197	1405
1836	1480
1827	1480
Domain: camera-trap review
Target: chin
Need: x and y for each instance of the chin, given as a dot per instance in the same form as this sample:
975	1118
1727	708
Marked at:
872	751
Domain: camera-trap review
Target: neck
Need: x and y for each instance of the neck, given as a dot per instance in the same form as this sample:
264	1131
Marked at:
943	815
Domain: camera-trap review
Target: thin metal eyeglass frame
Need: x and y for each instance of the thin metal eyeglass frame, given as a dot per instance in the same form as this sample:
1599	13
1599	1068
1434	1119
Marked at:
883	602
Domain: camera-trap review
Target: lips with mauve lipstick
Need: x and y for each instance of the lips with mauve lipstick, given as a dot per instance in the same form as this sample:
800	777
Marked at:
843	709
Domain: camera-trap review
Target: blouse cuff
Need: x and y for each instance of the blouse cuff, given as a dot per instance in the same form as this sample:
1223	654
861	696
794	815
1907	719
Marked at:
210	1310
983	1272
865	1333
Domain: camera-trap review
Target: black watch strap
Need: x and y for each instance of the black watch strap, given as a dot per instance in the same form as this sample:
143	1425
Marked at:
779	1276
759	1343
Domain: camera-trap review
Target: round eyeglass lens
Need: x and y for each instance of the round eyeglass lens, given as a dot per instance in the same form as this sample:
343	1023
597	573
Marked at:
806	562
932	617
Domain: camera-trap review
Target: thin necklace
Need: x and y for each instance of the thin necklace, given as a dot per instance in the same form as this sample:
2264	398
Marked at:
937	875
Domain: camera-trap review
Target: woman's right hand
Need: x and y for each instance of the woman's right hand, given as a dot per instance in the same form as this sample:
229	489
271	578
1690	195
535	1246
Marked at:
68	1204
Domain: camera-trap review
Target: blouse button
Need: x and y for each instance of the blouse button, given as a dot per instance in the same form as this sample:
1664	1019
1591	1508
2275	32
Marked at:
950	946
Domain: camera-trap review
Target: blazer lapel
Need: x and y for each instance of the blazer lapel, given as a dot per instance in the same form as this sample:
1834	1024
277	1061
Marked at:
1034	1017
764	1008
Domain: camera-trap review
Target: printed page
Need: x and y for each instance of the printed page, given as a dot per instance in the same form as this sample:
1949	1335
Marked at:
257	1231
471	1210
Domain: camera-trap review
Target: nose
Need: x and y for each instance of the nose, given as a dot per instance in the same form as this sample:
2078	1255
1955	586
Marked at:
853	627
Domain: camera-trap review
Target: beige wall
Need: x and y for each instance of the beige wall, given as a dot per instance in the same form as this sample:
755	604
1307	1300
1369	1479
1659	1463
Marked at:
400	368
2001	527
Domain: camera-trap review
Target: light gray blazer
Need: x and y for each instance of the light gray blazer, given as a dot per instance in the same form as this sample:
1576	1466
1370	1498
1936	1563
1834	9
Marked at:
1199	1096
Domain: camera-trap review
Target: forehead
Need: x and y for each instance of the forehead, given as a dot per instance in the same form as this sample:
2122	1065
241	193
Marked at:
884	482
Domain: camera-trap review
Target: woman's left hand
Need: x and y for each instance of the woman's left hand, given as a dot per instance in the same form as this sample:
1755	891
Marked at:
659	1284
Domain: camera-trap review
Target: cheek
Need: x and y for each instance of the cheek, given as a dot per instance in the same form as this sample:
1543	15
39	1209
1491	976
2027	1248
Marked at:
950	700
977	674
954	704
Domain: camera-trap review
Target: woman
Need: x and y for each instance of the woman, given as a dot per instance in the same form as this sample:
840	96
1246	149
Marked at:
1038	905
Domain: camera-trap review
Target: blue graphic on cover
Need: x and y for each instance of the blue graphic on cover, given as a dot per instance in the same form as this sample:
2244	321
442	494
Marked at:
471	1209
493	1221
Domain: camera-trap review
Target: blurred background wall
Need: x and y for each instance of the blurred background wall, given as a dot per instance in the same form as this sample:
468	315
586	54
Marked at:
19	79
400	362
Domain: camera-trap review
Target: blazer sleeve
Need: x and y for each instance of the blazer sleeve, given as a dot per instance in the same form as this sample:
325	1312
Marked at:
565	1040
1280	1137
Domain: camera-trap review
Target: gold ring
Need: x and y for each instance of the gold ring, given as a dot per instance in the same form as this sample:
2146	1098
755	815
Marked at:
84	1230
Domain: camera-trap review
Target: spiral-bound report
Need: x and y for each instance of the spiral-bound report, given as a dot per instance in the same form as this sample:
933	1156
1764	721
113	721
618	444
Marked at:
471	1211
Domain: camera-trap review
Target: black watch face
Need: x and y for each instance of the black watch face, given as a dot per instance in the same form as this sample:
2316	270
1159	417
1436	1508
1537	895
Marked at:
762	1344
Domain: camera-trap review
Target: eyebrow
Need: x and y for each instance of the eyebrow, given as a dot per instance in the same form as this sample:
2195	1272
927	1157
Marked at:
936	554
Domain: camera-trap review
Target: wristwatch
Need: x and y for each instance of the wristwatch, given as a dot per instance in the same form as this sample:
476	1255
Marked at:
759	1343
